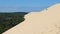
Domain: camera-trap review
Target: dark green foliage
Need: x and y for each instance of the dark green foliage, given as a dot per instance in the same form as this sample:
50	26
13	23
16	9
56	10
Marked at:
9	20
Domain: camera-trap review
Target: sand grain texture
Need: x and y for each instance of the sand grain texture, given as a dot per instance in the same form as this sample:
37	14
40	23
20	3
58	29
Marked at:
44	22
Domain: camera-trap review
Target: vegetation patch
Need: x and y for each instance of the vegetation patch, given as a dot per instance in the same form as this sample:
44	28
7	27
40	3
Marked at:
9	20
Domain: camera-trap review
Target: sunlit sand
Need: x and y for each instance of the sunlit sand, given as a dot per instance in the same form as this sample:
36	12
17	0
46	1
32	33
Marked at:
44	22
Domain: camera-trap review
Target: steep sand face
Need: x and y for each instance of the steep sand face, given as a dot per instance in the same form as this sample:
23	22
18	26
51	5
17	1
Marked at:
45	22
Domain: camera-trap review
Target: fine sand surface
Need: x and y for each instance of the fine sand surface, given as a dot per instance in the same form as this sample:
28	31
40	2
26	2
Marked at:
45	22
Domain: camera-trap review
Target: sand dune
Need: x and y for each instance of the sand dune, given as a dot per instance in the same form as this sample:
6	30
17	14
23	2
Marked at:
44	22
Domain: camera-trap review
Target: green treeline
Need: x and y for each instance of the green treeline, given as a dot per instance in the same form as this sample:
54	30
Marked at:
9	20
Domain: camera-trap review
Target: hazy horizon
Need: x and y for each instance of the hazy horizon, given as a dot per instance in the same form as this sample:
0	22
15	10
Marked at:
25	5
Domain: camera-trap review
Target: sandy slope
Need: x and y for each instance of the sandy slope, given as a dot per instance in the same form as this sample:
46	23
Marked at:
45	22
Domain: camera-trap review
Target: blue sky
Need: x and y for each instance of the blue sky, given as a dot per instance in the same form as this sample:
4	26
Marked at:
25	5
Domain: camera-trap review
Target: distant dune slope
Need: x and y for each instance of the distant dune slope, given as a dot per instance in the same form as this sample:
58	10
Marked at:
44	22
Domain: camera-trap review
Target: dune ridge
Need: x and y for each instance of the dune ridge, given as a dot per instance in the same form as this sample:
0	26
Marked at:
44	22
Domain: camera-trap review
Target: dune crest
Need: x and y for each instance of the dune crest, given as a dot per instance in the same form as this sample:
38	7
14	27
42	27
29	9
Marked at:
44	22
